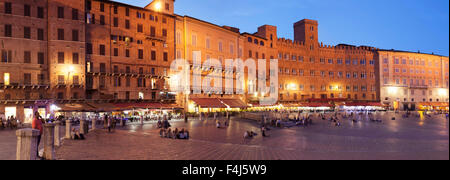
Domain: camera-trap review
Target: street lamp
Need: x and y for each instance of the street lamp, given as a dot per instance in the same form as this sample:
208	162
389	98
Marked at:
70	69
158	6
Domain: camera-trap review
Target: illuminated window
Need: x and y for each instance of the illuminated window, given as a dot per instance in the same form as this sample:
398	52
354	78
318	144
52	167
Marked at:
6	77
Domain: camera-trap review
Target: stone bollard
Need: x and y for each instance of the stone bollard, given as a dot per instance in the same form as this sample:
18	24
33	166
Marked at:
94	122
86	127
68	129
57	133
27	144
49	141
82	126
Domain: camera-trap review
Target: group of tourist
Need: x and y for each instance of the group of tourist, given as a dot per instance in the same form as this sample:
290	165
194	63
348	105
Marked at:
11	122
110	122
249	134
76	135
175	134
164	123
220	125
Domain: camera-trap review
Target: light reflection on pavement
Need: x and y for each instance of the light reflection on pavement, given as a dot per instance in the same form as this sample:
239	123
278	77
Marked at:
410	138
400	139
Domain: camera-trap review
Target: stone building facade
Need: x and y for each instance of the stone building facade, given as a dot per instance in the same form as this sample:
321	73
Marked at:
42	51
98	50
409	79
129	51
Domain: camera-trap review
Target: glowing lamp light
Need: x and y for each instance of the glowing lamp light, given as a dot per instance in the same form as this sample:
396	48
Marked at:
392	90
71	69
158	6
54	108
443	92
292	86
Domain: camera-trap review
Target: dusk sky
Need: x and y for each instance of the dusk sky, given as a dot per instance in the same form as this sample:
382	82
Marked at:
409	25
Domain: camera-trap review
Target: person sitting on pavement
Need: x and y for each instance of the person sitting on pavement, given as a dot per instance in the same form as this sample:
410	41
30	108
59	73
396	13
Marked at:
76	135
278	124
169	133
263	131
218	124
186	134
159	124
181	134
247	135
338	124
175	133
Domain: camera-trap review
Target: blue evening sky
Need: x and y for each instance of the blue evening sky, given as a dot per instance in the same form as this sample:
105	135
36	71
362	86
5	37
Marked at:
409	25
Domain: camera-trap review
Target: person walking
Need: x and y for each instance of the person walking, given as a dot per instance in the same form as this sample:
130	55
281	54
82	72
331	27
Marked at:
109	123
37	124
105	122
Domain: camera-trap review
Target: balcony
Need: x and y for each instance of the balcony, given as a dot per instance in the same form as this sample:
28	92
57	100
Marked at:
418	87
76	85
155	38
25	85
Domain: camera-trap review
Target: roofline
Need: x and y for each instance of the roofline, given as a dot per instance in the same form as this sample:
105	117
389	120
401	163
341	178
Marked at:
246	33
215	25
393	50
132	6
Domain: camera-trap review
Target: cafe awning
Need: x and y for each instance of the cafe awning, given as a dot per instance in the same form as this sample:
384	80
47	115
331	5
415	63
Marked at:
434	104
209	103
140	105
75	107
364	104
234	103
104	107
315	105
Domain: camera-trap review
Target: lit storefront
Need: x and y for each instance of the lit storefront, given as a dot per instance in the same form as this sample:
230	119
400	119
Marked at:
24	111
198	105
369	106
429	106
293	107
10	111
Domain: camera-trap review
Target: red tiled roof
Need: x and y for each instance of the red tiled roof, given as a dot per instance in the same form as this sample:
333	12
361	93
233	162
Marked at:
315	105
234	103
364	104
209	102
125	106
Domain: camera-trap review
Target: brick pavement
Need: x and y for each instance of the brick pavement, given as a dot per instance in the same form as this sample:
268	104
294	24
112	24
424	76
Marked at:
402	139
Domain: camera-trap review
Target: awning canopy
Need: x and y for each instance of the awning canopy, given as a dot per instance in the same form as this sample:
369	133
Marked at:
234	103
209	103
104	107
315	105
434	104
328	100
75	107
142	105
364	104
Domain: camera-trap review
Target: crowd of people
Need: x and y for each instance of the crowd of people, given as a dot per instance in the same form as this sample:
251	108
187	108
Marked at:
11	122
166	132
174	134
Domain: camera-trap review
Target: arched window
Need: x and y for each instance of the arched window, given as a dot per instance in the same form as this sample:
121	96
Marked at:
250	39
256	41
261	43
